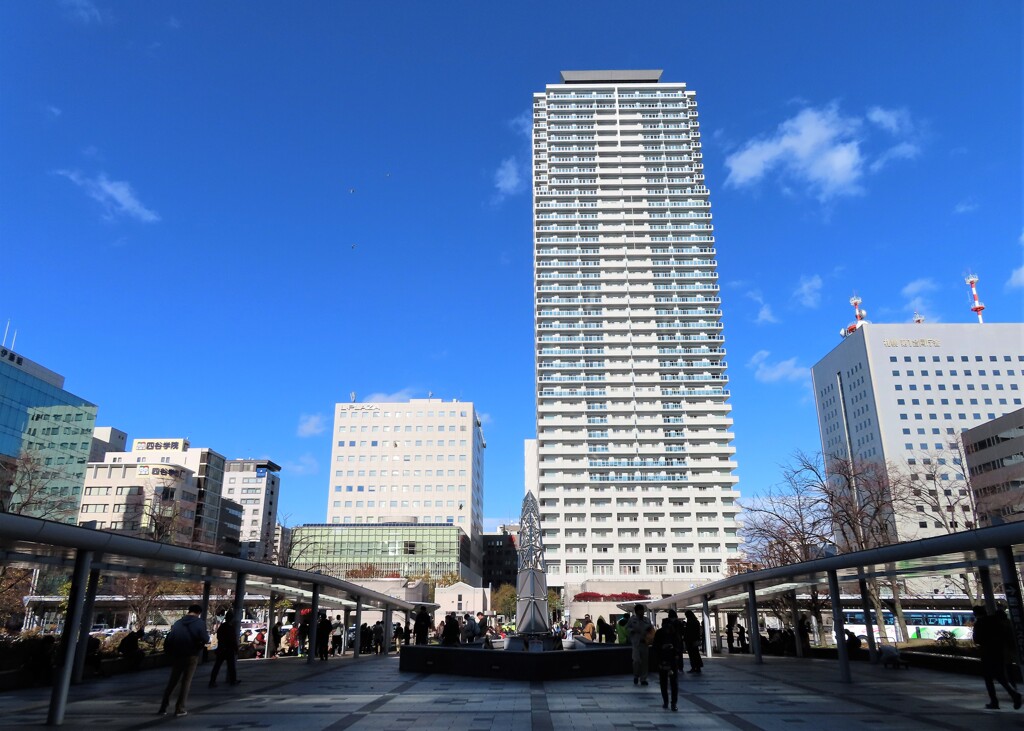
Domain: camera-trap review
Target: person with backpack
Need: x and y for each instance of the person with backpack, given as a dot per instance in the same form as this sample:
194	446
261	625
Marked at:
183	645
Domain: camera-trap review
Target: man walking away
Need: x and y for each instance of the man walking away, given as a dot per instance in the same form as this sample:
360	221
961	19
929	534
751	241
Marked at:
666	648
641	634
994	635
183	644
323	635
692	636
227	650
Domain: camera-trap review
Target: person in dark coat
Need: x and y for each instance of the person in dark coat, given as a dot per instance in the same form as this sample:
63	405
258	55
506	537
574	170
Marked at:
227	650
129	649
323	636
450	633
421	627
993	633
183	644
666	648
691	638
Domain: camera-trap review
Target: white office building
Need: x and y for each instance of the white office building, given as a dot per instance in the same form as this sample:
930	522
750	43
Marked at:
633	462
420	461
902	394
255	484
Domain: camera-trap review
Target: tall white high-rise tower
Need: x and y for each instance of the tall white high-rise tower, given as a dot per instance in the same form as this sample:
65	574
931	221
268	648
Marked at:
634	463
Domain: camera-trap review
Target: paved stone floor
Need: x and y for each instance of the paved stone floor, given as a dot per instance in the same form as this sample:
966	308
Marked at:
732	693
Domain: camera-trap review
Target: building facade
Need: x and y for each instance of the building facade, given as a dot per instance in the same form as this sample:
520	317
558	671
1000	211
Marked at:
256	484
106	439
901	395
633	457
45	437
383	551
995	463
163	489
420	461
500	558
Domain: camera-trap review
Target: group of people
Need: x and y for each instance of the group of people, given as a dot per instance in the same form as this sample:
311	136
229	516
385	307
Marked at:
453	631
666	648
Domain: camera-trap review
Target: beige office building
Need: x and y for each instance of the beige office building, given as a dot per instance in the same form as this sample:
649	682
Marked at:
420	461
163	489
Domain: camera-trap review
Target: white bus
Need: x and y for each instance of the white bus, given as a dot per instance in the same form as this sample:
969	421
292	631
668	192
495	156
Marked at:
922	624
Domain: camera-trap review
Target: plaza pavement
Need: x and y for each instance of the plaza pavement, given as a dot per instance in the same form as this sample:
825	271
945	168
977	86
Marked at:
371	694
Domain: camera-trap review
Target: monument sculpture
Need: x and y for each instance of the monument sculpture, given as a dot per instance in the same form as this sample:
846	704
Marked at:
531	583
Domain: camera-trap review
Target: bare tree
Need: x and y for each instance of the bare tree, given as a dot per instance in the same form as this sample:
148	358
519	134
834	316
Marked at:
791	523
29	486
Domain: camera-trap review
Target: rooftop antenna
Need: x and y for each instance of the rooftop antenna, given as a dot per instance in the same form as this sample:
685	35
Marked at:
352	395
15	338
977	308
859	316
4	344
918	318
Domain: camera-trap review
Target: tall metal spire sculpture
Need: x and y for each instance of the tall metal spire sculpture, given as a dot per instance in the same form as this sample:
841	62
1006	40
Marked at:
531	584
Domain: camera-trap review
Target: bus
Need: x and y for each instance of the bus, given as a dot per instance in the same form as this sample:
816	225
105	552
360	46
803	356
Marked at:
922	624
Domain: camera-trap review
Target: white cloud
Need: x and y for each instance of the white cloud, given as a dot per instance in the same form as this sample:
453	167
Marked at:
311	424
82	11
767	372
485	418
173	23
893	121
304	465
116	196
764	315
808	292
764	312
902	151
821	150
915	293
1016	278
379	397
918	287
967	205
507	178
523	124
54	111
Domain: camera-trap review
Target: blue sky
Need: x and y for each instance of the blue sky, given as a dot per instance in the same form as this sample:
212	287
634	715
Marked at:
218	219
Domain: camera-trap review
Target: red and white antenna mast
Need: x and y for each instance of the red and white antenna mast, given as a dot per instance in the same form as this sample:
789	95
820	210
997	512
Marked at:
918	317
859	316
978	307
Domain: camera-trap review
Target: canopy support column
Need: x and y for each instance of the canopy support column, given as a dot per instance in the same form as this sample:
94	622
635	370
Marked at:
389	629
753	632
357	646
1011	589
869	625
797	634
985	576
705	611
82	646
72	629
314	621
837	626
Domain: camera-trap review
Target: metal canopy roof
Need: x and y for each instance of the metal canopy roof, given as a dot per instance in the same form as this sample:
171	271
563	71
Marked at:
951	553
30	542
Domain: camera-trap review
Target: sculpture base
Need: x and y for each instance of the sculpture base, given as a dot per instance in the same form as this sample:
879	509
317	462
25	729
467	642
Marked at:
588	660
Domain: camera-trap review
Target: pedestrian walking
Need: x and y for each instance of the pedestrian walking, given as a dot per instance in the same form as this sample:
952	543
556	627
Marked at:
666	648
227	650
641	634
183	644
275	638
994	635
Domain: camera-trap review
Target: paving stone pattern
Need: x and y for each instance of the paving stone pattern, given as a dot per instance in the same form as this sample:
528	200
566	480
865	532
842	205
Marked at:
370	694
